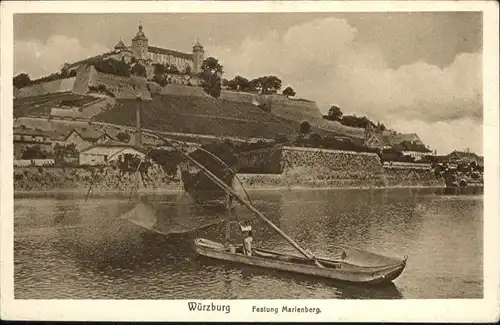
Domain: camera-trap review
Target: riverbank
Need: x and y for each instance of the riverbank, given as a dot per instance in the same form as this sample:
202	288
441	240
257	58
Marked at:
111	180
172	190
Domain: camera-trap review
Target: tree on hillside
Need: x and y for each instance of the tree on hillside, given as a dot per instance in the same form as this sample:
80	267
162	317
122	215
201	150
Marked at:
266	84
239	83
212	65
272	84
211	76
242	83
123	137
62	152
188	70
110	66
356	122
381	126
160	79
289	92
334	114
21	80
64	73
159	68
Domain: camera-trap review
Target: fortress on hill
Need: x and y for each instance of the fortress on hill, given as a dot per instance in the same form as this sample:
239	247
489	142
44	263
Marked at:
141	52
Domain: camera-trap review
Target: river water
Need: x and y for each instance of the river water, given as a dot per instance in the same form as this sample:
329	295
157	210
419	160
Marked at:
65	247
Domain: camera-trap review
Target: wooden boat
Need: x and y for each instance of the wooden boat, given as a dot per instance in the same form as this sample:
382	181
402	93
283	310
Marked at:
351	266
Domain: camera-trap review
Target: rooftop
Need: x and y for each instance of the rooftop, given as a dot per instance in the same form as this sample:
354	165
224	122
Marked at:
113	143
37	132
463	154
159	50
32	132
87	133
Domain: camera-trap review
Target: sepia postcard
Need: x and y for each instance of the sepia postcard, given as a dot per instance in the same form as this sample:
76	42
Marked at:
250	161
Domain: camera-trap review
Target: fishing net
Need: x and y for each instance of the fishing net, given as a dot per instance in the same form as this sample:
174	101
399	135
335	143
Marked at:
154	218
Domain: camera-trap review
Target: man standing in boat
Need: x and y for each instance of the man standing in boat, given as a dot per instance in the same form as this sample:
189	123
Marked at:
247	239
246	230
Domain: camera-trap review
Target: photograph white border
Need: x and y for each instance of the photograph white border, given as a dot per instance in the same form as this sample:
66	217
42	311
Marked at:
410	310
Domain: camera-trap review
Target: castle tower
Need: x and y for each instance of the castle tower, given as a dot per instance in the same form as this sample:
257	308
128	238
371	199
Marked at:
198	57
120	46
140	45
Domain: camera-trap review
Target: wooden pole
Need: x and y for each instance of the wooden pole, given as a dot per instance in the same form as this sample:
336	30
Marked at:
253	209
228	221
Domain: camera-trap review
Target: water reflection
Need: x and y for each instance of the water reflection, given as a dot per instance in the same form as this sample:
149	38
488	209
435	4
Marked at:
89	251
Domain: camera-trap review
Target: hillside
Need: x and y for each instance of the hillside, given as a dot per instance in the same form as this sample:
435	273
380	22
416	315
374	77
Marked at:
293	109
202	115
173	108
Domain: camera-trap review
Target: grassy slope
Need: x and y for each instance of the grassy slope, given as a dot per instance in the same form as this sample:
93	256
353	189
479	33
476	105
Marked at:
175	113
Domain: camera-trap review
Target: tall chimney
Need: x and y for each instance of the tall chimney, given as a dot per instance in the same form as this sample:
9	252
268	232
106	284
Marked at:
138	112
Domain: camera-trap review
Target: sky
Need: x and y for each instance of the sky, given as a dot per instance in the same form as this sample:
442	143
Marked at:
415	72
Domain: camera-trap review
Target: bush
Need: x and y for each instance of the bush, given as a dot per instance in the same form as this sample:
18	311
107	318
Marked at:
123	136
357	122
167	159
101	89
138	70
21	80
160	79
34	152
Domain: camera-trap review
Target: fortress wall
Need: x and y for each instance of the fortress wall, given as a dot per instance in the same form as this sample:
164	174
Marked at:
54	124
409	176
49	87
182	79
65	112
259	181
263	161
97	107
86	111
319	168
80	178
301	168
121	87
357	168
238	96
308	111
310	167
172	89
67	84
83	76
292	109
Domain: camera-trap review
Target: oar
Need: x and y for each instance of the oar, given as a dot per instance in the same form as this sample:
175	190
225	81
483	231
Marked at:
224	186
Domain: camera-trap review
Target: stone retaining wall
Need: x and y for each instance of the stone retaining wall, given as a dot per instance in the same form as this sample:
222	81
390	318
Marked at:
399	176
293	168
80	178
309	167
